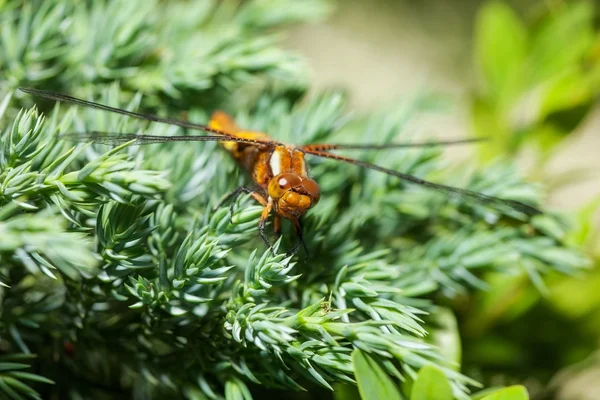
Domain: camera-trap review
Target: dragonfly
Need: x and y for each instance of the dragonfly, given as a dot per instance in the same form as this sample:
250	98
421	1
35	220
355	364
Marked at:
282	185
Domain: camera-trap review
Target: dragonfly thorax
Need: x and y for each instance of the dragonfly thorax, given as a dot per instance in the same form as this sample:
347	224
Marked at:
293	194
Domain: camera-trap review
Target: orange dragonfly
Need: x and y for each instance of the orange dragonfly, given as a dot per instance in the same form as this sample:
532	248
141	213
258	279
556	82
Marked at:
278	169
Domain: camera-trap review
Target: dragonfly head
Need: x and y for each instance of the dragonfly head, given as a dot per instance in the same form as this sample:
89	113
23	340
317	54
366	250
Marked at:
293	195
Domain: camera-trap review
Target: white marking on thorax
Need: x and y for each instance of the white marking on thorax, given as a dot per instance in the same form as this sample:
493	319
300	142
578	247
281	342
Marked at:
275	162
304	171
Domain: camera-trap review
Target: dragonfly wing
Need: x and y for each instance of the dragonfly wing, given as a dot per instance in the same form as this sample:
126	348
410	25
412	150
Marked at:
451	190
361	146
148	117
120	138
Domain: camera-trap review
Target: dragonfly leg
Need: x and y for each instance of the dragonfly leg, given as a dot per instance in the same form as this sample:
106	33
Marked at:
263	221
298	229
255	195
233	196
277	227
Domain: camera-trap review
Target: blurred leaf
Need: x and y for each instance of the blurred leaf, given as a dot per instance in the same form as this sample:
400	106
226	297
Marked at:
373	382
485	392
501	44
586	231
486	122
549	226
235	389
576	297
508	297
345	392
496	351
431	383
12	378
445	335
563	40
570	89
510	393
547	137
538	82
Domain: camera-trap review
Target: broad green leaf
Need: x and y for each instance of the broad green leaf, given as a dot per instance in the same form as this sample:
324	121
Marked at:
431	383
501	45
480	395
510	393
563	40
373	382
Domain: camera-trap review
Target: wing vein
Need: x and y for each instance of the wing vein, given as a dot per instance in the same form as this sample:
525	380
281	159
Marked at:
119	138
360	146
480	197
148	117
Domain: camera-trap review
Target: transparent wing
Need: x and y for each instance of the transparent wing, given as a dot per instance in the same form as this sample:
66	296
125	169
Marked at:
119	138
360	146
148	117
479	197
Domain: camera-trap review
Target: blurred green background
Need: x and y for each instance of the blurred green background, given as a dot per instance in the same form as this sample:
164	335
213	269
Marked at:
526	74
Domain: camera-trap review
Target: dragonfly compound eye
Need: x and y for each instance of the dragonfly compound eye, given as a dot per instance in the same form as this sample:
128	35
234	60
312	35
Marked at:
311	187
282	183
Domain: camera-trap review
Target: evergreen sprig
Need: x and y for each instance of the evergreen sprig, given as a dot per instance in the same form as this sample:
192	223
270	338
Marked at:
116	257
13	379
152	46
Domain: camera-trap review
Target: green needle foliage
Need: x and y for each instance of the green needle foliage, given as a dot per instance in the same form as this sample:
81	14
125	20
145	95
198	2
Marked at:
118	274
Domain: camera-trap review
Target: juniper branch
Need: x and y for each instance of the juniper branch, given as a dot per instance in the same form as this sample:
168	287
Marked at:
117	255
